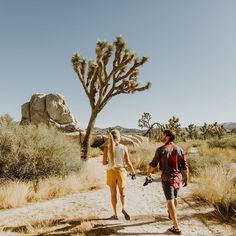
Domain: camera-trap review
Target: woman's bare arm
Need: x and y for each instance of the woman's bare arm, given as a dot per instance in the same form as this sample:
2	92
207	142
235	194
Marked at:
104	160
129	163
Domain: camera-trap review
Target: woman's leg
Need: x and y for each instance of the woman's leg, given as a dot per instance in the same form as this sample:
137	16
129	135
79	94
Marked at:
121	182
122	197
114	199
121	186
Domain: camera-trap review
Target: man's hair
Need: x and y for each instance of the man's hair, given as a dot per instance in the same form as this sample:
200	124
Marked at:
171	134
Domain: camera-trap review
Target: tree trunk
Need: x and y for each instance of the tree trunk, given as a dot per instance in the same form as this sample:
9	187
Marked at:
87	139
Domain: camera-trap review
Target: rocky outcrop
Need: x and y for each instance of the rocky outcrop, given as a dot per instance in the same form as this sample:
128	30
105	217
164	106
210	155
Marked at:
50	109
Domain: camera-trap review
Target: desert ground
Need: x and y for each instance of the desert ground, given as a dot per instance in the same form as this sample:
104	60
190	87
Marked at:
88	213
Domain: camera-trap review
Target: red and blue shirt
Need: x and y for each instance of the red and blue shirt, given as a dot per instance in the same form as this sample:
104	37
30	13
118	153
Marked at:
171	160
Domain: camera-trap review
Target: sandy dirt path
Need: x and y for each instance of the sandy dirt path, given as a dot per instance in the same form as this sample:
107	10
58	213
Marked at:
146	206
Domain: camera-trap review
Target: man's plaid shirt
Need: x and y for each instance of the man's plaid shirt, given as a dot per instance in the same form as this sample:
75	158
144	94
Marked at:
171	160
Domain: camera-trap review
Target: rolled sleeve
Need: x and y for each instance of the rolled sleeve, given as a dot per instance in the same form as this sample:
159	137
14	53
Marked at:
155	160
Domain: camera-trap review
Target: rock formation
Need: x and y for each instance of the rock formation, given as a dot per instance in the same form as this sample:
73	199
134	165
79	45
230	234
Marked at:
49	109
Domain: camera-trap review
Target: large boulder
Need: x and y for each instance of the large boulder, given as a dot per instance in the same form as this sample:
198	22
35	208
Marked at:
58	110
38	112
50	109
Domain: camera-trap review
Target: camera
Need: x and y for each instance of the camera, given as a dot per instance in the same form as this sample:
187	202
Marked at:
148	180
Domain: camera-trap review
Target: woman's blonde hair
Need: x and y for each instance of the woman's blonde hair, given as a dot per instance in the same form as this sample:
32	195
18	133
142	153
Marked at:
112	136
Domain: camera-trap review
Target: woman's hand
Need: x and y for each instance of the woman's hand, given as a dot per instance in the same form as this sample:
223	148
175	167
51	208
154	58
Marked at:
133	176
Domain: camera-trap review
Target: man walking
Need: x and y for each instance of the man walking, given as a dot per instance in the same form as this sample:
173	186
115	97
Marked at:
172	163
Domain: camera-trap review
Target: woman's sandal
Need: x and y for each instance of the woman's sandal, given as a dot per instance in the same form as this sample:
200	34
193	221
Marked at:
114	217
127	217
174	230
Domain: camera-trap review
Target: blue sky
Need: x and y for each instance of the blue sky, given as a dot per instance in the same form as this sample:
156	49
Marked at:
191	45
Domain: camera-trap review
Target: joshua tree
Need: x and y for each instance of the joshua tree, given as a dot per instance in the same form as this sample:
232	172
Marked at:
192	131
174	125
144	122
205	129
217	130
104	80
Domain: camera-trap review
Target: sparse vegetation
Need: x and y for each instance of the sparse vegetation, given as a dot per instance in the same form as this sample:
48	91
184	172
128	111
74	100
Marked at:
142	156
39	163
216	186
215	180
95	152
228	141
30	152
17	193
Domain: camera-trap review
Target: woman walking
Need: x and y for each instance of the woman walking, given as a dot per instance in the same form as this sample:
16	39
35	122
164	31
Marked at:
116	156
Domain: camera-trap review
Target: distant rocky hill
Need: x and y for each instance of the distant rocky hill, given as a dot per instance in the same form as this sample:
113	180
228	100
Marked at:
229	125
121	129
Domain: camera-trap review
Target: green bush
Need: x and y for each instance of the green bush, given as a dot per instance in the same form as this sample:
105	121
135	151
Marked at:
228	141
30	152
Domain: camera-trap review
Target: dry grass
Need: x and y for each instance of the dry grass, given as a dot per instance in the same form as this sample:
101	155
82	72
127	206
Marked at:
54	187
95	152
62	226
226	154
84	227
17	193
190	143
227	141
216	186
14	194
141	156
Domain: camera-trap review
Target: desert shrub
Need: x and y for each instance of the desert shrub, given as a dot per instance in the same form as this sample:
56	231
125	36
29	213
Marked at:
225	154
30	152
197	163
216	186
142	156
228	141
16	193
95	152
7	121
13	194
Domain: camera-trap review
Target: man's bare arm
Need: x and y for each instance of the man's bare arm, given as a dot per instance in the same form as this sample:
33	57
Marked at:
150	170
185	174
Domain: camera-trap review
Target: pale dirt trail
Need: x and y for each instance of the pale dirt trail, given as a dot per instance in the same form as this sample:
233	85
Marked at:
146	205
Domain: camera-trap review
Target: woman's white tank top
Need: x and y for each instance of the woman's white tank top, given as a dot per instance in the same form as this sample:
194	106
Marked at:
119	161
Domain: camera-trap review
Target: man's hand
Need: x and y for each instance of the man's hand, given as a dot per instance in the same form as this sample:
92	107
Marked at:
185	178
185	182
